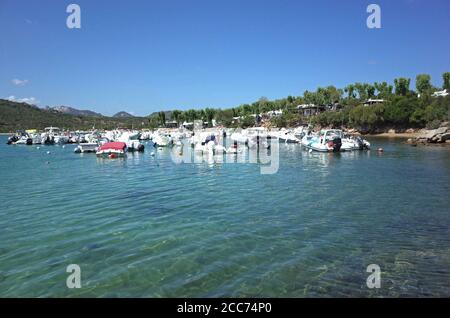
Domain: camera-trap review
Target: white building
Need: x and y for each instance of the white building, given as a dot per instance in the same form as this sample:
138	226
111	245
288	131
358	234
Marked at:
442	93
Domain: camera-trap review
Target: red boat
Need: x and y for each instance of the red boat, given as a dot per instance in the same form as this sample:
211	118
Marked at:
112	149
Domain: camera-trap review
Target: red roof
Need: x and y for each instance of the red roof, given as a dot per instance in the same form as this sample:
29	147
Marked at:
113	145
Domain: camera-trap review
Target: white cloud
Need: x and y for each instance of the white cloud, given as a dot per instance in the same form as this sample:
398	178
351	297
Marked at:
19	82
28	100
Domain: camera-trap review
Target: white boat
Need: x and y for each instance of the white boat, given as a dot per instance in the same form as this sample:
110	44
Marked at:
162	141
287	137
132	141
24	140
350	142
135	145
61	139
49	137
36	139
86	147
328	140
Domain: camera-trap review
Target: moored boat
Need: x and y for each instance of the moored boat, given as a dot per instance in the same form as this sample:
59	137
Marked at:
86	147
112	149
326	141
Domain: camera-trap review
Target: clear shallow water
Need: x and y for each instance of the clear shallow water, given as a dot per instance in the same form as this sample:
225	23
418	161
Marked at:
147	227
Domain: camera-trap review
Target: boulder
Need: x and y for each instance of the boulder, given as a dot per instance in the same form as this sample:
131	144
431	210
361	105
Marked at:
444	137
430	134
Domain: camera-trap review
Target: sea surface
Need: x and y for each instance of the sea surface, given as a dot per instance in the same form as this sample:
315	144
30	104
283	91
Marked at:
145	226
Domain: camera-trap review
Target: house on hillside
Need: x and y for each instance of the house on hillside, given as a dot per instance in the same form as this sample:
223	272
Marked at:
334	107
308	110
171	124
442	93
372	101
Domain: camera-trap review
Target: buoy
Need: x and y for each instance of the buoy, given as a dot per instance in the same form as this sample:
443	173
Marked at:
112	156
48	152
310	150
38	148
64	147
152	154
380	150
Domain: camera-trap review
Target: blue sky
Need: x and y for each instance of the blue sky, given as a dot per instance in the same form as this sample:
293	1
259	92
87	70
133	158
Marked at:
145	56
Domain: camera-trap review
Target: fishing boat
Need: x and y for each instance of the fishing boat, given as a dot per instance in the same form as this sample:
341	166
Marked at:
112	150
328	140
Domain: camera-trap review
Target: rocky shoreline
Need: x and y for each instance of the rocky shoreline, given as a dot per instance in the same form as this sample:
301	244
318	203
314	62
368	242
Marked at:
439	136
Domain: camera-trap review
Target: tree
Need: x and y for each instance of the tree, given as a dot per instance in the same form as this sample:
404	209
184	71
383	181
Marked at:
446	79
308	97
384	89
423	83
209	115
162	118
262	106
350	90
402	86
370	91
334	95
361	89
176	115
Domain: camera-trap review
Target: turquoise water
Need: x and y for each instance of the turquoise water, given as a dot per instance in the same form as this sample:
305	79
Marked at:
144	226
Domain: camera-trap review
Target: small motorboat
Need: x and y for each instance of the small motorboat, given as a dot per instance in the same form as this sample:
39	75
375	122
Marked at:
135	145
162	141
21	138
112	150
12	140
86	147
326	141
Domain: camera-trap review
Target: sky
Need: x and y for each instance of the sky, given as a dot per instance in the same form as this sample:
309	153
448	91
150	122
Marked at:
146	56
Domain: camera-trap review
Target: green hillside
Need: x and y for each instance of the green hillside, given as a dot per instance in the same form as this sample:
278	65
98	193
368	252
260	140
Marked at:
15	116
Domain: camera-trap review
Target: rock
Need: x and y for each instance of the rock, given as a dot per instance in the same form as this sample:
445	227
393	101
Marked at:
410	131
430	134
391	131
444	137
445	124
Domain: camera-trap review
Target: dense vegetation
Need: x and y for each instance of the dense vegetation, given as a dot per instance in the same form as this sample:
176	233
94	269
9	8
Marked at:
403	108
15	116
